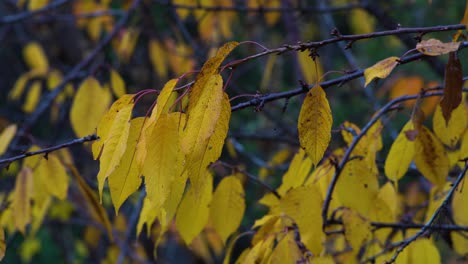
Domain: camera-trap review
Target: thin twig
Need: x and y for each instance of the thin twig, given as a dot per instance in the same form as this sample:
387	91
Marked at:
15	18
50	149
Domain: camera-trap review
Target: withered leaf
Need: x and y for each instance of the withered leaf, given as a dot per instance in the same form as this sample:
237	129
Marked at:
453	86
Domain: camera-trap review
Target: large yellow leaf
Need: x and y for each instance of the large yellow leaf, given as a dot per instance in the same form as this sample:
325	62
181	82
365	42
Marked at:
286	251
357	186
117	83
2	243
89	105
21	203
315	123
125	179
423	251
35	57
357	229
297	172
450	132
164	160
53	177
114	145
401	154
192	214
94	208
435	47
105	124
381	69
6	136
227	207
163	103
431	158
304	205
210	68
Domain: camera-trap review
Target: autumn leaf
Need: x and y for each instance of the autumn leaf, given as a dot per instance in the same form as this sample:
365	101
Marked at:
35	57
357	230
117	83
453	86
125	179
51	170
89	105
6	136
400	155
286	251
157	56
33	97
2	243
431	158
21	203
315	123
381	69
227	207
435	47
193	211
450	132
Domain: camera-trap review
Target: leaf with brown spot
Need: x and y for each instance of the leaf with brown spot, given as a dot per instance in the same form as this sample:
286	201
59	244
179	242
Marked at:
435	47
381	69
453	86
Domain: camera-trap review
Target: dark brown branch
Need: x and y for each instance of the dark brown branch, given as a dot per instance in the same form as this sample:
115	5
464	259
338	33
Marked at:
72	74
435	215
16	18
46	151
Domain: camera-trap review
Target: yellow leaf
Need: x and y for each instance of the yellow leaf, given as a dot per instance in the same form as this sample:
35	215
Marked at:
193	211
381	69
400	155
164	160
105	124
125	179
96	211
164	102
2	243
30	247
209	69
6	136
361	21
127	43
304	205
460	217
297	172
35	57
32	98
19	87
435	47
431	158
311	68
89	105
114	145
53	176
21	203
423	251
38	214
227	207
286	251
157	56
314	124
278	158
451	132
117	83
272	17
148	215
357	186
259	251
357	230
37	4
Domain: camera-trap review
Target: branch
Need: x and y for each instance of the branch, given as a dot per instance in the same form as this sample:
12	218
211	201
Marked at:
434	216
72	74
46	151
262	9
16	18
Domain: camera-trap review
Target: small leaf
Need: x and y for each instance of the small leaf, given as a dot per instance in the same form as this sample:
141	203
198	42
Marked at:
89	105
193	211
435	47
400	155
6	136
315	123
227	207
431	158
157	56
21	203
286	251
453	86
53	177
117	83
381	69
32	98
35	57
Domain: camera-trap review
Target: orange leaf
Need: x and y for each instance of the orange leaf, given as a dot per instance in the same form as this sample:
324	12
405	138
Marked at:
453	86
435	47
